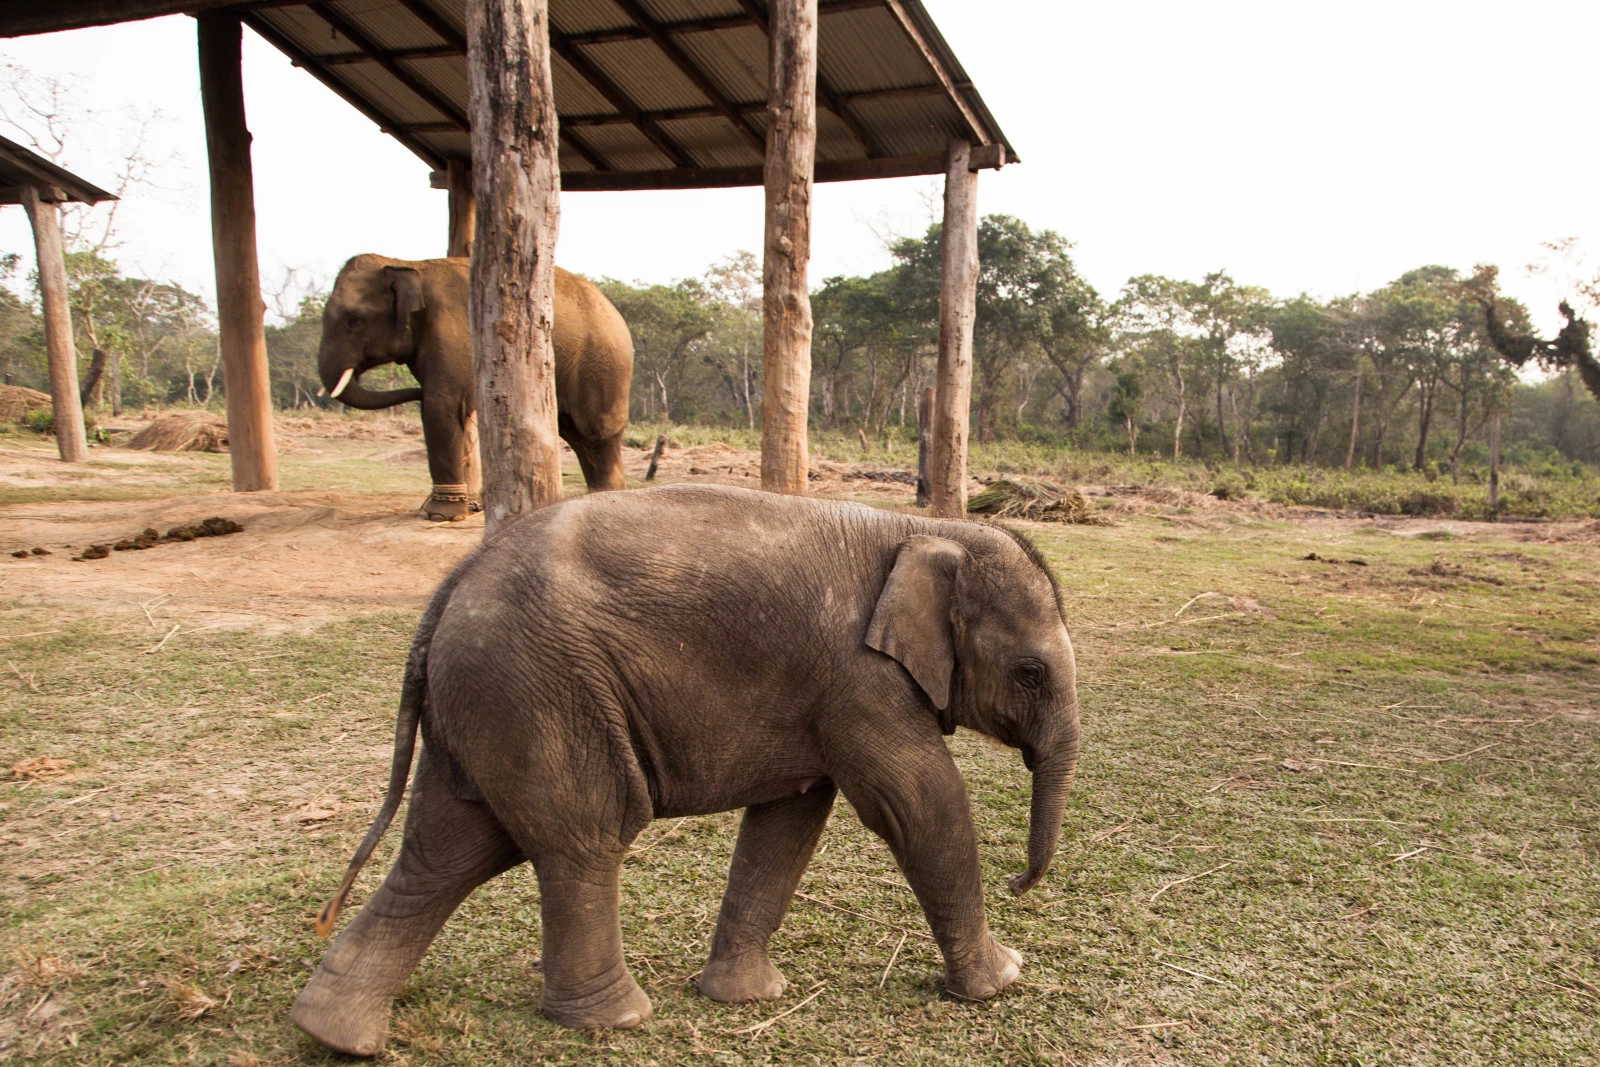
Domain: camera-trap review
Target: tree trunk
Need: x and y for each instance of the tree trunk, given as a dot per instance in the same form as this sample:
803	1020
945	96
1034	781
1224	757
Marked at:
463	217
958	296
925	409
1355	423
91	381
1494	470
64	399
233	243
1425	417
1133	434
786	299
116	382
516	182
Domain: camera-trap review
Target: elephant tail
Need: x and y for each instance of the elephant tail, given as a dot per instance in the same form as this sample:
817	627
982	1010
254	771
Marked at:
413	700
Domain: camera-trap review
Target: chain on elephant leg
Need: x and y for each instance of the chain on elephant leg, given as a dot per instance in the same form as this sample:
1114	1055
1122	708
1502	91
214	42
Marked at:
450	503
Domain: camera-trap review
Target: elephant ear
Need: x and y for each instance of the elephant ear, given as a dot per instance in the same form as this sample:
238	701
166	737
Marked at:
406	285
912	621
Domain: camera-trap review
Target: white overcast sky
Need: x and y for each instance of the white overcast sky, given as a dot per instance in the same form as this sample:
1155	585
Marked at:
1303	146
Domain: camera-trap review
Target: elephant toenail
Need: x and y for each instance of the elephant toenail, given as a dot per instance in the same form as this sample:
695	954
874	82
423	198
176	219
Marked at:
628	1021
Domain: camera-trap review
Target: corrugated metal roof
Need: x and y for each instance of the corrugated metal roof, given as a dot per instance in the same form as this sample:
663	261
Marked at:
652	93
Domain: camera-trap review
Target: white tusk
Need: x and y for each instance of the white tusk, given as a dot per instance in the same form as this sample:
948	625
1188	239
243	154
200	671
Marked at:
344	380
322	391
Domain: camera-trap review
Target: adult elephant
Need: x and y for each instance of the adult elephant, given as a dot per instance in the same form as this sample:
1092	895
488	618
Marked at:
414	312
767	652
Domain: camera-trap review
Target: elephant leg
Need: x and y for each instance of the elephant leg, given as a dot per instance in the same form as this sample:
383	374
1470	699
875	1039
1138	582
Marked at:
907	790
776	840
447	430
600	458
586	982
451	846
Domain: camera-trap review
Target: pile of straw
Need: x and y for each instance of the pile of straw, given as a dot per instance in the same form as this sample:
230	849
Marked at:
1024	498
16	401
183	433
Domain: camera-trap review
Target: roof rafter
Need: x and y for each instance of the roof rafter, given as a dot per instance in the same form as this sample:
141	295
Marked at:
310	65
681	60
825	94
914	34
405	77
618	99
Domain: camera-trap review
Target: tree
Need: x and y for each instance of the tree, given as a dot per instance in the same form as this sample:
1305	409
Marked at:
1506	324
1127	401
1151	317
666	321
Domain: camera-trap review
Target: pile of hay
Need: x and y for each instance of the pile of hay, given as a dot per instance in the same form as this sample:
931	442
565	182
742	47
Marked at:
1024	498
16	401
183	433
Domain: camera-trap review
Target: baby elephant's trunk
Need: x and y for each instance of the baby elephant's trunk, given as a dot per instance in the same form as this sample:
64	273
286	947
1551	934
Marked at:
1053	770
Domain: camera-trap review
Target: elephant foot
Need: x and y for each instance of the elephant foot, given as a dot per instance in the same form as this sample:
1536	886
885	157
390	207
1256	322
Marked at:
738	979
449	503
342	1015
986	977
622	1006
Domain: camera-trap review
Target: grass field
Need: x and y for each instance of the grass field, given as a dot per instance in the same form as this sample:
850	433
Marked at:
1327	813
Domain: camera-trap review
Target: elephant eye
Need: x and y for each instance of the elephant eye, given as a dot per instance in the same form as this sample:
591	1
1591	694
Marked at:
1028	675
352	323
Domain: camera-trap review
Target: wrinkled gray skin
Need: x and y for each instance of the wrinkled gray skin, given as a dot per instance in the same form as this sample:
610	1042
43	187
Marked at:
414	312
624	657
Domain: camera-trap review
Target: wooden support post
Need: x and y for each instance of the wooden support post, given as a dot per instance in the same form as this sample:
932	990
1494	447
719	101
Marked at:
57	326
786	299
1494	469
463	213
958	297
516	180
925	404
233	247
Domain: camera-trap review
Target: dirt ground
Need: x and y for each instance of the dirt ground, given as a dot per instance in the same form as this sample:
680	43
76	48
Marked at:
310	556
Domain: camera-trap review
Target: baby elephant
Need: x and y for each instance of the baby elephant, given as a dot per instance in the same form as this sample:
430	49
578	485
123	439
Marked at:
625	657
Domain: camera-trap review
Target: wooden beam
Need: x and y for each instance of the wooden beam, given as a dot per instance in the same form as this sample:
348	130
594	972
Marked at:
620	100
791	153
975	126
311	65
710	24
22	18
422	89
343	59
233	245
850	170
692	71
516	178
958	294
435	21
825	94
62	354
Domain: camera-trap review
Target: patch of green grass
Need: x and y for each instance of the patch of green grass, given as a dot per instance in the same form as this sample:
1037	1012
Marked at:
1326	813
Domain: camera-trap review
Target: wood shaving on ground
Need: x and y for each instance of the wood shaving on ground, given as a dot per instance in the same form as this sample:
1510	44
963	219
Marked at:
37	767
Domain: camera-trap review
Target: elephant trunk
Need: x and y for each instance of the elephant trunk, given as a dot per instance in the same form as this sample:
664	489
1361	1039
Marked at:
344	385
1053	768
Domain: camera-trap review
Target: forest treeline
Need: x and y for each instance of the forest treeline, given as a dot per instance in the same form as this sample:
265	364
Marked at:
1405	375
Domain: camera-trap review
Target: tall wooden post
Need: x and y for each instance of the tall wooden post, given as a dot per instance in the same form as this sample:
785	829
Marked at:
925	402
516	181
63	356
958	299
786	299
463	213
463	219
233	247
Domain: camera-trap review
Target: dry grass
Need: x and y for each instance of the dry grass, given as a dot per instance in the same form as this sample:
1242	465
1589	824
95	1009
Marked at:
17	400
1327	814
182	432
1035	501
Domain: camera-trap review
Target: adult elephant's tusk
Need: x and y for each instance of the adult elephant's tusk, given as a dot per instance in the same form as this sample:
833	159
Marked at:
344	380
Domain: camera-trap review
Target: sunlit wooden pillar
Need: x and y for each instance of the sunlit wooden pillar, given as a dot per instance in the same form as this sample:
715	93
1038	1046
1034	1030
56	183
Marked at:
958	297
463	213
233	245
791	159
457	181
516	182
63	356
